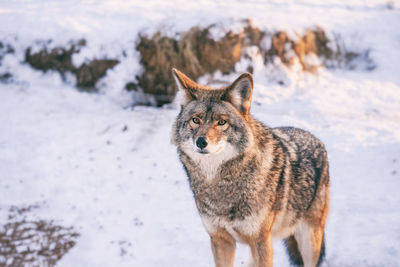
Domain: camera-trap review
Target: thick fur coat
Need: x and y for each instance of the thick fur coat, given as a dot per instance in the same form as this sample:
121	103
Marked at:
251	183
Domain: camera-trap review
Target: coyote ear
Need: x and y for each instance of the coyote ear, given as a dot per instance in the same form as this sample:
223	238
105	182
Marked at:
239	93
186	87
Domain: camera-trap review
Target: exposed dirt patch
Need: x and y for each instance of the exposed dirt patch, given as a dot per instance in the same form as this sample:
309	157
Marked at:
60	60
5	49
32	242
5	77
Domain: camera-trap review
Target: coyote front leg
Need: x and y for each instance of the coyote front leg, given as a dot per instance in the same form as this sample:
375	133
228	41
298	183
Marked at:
223	248
261	250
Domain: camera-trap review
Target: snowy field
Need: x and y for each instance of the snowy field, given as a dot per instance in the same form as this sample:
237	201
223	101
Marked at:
92	162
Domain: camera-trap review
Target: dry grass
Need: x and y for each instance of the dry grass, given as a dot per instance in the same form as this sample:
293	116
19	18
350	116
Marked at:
60	60
196	53
30	242
313	41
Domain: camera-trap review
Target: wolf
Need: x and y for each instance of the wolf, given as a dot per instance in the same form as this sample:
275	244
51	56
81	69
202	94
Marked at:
251	183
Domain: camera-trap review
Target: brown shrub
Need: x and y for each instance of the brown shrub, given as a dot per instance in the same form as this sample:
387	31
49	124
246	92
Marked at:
313	41
197	53
60	60
88	74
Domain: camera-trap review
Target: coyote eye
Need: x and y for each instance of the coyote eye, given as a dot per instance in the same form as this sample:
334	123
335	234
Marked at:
196	120
221	122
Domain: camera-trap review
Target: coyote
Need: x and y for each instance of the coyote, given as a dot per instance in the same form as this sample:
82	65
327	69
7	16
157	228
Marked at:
251	183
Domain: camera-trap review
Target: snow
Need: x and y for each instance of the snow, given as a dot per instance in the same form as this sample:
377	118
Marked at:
92	162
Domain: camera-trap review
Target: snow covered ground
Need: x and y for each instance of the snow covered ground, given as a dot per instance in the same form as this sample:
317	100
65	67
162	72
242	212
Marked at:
92	162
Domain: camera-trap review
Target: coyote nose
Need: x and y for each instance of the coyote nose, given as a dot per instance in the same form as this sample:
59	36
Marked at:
201	142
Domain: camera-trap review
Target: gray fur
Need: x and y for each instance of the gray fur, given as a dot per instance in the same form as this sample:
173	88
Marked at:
279	169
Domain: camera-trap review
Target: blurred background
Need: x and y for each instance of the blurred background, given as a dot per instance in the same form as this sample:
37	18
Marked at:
88	175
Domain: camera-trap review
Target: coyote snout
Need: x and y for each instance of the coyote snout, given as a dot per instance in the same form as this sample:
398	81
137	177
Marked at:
201	142
205	146
251	182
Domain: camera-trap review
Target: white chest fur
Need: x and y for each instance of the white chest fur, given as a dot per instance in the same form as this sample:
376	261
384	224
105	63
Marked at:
208	164
249	226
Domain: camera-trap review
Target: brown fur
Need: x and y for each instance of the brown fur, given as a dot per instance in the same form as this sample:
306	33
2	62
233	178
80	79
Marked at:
223	248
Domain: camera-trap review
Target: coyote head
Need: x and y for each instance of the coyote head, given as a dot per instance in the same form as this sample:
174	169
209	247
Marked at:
213	122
